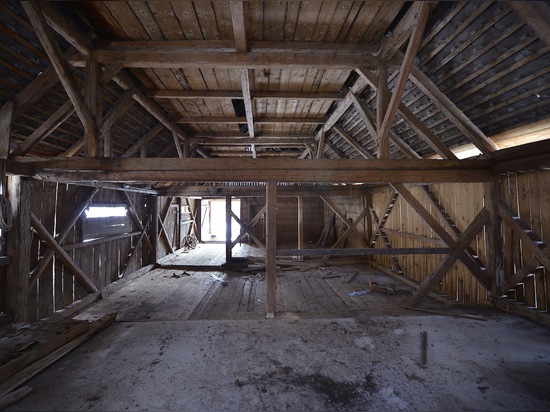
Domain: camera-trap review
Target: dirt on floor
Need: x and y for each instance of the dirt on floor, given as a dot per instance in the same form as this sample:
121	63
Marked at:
292	362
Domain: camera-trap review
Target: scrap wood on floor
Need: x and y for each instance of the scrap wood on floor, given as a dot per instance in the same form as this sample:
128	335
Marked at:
26	360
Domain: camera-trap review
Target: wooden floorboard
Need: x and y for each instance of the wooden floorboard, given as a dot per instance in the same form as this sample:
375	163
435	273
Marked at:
176	294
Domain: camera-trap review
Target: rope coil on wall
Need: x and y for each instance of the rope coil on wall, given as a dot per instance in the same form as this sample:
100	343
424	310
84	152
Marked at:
5	213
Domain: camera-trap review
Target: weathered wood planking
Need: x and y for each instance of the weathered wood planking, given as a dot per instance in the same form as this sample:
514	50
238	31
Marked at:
101	261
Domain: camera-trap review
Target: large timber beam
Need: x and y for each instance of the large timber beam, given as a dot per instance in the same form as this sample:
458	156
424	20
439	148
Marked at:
536	14
252	170
222	54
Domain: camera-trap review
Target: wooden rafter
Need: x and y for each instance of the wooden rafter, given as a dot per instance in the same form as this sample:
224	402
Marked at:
423	131
245	85
257	120
535	14
64	73
408	60
445	265
143	140
356	145
453	113
239	28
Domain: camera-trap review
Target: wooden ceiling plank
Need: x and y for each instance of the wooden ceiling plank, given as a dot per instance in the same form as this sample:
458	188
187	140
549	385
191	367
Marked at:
536	14
408	62
258	120
64	73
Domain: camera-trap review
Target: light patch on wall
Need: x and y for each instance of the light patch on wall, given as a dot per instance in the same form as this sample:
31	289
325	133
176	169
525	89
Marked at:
105	211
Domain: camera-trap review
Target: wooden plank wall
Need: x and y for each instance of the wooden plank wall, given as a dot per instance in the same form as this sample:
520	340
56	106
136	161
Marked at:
527	194
102	261
287	219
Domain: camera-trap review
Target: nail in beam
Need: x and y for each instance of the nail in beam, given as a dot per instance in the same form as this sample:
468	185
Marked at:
271	248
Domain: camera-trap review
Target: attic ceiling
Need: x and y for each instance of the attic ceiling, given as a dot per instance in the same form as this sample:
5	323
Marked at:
246	79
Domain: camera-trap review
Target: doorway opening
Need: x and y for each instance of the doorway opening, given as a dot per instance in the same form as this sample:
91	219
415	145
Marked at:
213	224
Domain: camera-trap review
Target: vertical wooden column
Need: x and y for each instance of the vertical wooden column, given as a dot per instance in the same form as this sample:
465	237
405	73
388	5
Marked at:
495	259
228	245
19	240
301	224
368	203
198	219
155	228
271	250
93	101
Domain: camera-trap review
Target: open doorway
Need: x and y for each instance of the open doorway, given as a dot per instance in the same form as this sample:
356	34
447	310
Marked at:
213	224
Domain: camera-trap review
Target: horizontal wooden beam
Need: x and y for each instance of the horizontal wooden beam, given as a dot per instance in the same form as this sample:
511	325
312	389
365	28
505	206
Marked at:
259	191
244	141
169	54
252	170
231	94
257	120
363	252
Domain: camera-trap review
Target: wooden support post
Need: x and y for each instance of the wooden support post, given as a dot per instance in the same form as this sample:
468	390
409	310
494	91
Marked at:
495	258
6	114
154	228
228	245
19	240
300	224
198	219
271	252
382	99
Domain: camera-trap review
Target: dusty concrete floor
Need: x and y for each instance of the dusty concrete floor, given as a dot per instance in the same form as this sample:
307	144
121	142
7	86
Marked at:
293	363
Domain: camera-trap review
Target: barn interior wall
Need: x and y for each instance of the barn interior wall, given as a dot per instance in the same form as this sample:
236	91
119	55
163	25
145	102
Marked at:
103	260
287	219
527	194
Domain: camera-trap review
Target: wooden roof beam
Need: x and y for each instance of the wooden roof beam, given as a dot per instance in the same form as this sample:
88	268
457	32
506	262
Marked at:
258	141
536	14
258	120
34	12
453	113
231	94
408	60
239	28
423	131
245	85
355	144
402	32
164	55
126	83
249	170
